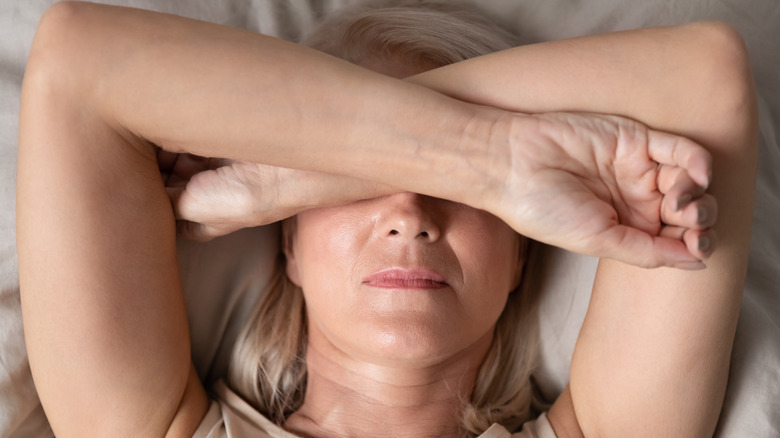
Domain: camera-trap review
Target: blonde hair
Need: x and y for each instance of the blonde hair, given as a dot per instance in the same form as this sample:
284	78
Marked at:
437	33
268	364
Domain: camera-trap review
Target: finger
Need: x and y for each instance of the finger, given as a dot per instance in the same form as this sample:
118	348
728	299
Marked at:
186	166
638	248
165	159
673	232
184	207
700	243
684	191
166	162
675	182
679	151
698	214
679	190
668	176
174	194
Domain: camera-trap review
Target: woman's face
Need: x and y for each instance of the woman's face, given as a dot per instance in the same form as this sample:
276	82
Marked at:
403	279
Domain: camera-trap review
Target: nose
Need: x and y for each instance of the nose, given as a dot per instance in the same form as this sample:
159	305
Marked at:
409	216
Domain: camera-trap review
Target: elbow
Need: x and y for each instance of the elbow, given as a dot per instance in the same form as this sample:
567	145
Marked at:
54	32
722	41
723	52
730	97
64	19
54	60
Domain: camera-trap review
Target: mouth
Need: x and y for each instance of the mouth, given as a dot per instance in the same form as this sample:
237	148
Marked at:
398	278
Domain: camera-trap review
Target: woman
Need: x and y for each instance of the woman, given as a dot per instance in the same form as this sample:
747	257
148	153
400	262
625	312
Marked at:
106	329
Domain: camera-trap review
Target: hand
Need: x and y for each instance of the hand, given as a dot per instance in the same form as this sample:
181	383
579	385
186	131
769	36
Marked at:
214	197
607	186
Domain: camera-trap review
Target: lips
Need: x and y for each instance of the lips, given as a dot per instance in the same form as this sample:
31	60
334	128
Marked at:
398	278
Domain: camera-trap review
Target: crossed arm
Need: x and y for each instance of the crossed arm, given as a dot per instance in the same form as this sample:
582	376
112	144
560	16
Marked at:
641	348
104	319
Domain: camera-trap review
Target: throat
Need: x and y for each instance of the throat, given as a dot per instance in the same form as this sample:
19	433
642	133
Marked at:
346	419
359	394
355	404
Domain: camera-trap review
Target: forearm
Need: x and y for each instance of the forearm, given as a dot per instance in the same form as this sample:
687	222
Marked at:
644	74
650	75
104	317
245	96
653	355
655	348
656	344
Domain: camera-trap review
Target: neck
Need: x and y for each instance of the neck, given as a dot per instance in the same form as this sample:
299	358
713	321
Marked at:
347	398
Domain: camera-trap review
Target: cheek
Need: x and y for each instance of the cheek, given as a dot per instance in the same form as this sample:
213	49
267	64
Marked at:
326	248
326	245
488	253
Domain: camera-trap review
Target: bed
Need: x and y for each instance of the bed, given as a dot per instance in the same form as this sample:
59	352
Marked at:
223	277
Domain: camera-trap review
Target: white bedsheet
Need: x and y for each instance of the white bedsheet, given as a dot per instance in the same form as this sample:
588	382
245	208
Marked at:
235	267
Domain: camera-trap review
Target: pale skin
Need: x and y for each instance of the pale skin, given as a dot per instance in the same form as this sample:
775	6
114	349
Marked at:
396	353
84	340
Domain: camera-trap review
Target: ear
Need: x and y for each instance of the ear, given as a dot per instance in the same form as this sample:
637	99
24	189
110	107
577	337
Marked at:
288	248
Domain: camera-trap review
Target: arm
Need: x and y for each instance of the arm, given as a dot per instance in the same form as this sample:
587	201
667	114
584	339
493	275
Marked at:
104	320
98	108
659	342
652	357
653	84
690	80
105	324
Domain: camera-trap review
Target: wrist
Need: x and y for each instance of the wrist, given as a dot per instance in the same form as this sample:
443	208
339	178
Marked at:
473	163
299	190
496	160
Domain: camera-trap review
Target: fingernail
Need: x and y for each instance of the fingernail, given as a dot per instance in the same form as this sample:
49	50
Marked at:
704	243
691	266
682	201
702	215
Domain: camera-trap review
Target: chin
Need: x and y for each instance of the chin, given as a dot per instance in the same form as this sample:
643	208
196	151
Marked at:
413	344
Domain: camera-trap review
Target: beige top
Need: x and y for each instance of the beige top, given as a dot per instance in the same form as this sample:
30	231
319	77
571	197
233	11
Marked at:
232	417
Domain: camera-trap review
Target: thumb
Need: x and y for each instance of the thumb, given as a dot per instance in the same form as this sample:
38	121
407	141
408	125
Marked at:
175	194
638	248
186	206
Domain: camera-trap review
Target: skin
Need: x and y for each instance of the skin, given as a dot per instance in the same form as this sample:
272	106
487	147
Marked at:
640	322
91	312
409	351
